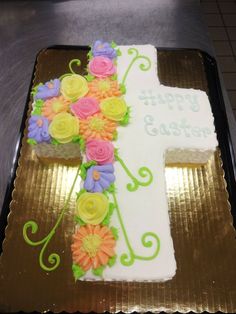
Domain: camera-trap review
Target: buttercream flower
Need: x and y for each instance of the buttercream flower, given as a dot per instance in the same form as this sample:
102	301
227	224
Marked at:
74	87
48	90
97	127
92	208
103	88
103	49
55	105
99	178
101	67
38	129
64	127
85	107
114	108
92	246
100	151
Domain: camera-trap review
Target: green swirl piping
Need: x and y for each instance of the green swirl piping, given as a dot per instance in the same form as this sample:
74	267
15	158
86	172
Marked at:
144	172
73	61
54	258
128	259
142	66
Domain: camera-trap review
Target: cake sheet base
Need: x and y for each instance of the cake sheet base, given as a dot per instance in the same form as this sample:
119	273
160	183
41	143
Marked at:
201	226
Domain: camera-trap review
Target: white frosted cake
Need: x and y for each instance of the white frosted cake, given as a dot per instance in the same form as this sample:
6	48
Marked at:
130	126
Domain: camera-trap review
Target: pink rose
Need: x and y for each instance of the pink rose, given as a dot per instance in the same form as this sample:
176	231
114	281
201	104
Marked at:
85	107
100	151
101	67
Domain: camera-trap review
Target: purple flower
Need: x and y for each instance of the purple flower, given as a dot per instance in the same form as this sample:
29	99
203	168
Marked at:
103	49
99	178
38	129
48	90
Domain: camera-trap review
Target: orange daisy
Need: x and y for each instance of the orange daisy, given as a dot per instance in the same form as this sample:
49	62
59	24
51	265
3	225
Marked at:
55	105
103	88
93	246
97	127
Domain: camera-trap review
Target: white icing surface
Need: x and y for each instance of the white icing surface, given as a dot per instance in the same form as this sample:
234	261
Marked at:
146	144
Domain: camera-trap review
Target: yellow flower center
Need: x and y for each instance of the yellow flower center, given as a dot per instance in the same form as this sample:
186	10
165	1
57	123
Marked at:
96	124
90	206
39	123
104	86
96	175
50	85
56	106
91	244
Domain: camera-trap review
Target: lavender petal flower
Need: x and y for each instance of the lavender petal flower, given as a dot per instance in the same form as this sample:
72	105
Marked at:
38	129
99	178
48	90
103	49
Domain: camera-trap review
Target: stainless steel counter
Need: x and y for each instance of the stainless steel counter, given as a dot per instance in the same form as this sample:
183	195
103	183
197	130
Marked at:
28	26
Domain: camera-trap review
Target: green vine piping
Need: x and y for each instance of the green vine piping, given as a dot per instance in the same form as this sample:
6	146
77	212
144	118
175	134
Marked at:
128	259
142	66
144	172
72	62
54	258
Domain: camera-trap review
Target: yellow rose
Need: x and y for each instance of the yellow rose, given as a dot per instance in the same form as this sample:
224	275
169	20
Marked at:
74	87
92	208
64	127
114	108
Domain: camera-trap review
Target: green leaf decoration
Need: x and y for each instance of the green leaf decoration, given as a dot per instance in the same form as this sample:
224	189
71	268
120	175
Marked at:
105	193
116	152
89	164
89	77
122	88
55	142
112	260
76	139
31	141
98	271
83	172
111	188
115	135
37	107
118	52
115	232
35	89
80	193
77	271
79	221
126	118
39	103
113	44
36	112
107	219
111	208
81	141
114	77
90	55
82	144
84	167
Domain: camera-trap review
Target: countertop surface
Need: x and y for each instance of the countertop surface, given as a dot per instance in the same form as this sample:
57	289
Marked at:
28	26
